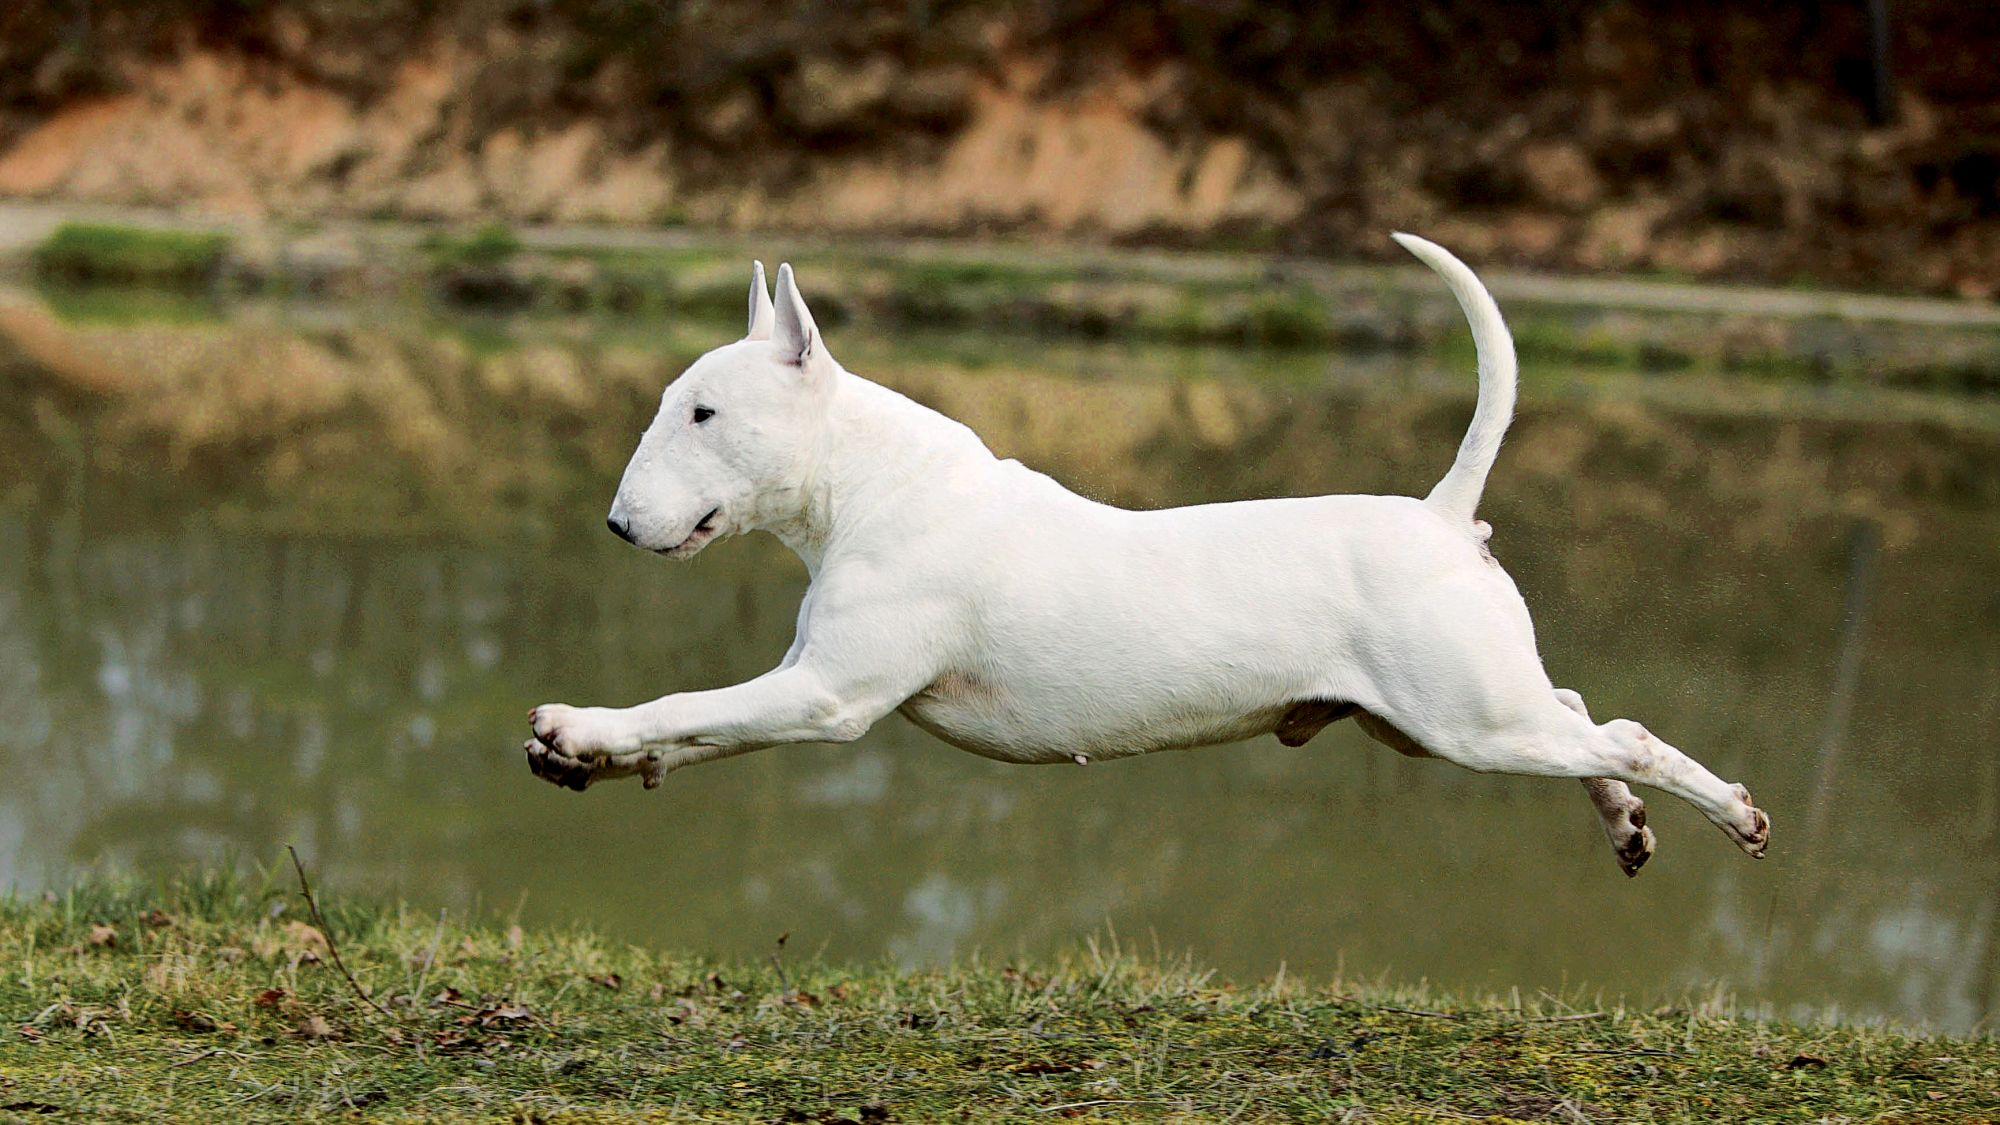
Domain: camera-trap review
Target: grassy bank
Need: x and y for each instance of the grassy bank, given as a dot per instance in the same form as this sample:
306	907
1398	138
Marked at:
1648	328
218	999
109	254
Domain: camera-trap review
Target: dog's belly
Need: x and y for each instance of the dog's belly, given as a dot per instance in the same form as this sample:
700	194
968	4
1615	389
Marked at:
1034	728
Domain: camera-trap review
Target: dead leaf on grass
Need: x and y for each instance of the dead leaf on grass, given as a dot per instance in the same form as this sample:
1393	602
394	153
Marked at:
270	998
199	1022
103	936
304	941
498	1014
611	981
316	1027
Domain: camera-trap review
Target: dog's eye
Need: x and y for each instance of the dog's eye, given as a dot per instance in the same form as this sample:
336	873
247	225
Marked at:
702	414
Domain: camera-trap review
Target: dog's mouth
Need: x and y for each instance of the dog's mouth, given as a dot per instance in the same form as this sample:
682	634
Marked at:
704	530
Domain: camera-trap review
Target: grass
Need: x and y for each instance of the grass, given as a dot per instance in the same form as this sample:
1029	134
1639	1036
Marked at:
215	998
95	253
486	246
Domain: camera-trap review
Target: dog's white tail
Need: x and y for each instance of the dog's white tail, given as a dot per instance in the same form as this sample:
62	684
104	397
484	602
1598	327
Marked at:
1457	496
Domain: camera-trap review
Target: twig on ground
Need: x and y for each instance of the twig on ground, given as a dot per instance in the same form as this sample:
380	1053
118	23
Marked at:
332	947
778	963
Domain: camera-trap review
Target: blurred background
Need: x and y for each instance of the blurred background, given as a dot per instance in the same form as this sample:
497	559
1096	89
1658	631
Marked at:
326	329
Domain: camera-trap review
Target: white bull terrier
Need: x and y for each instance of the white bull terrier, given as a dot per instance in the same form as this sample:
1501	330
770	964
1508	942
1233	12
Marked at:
1013	618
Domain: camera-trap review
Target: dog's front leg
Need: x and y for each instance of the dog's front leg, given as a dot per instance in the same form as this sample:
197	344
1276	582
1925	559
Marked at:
577	746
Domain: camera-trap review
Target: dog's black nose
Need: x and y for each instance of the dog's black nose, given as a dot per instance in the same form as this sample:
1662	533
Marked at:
620	527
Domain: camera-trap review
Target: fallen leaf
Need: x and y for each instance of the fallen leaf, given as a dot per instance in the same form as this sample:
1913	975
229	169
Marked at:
194	1021
316	1027
1936	1095
304	937
503	1013
1802	1061
270	998
30	1033
611	981
448	995
103	936
657	992
158	919
805	999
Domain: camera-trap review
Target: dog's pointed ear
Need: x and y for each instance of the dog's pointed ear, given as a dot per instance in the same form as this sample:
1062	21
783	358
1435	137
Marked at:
761	315
794	332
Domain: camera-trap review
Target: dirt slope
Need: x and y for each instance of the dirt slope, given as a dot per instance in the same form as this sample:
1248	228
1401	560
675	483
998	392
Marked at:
1704	139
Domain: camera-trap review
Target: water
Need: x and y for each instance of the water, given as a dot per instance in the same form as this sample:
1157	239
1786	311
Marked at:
296	576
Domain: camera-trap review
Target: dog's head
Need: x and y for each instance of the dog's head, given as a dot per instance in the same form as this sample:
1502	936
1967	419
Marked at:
733	444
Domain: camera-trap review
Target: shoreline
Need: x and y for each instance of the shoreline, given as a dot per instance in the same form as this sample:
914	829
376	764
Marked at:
1640	326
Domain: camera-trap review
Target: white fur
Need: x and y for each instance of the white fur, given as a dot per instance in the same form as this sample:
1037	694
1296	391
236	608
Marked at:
1015	619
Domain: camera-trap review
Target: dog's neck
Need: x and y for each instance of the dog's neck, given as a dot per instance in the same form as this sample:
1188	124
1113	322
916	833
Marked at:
878	451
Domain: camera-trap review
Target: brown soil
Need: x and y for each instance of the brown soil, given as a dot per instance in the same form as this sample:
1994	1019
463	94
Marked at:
1708	139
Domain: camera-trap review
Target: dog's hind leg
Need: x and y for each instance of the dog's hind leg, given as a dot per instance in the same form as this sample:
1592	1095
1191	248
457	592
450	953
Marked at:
1554	741
1533	734
1622	813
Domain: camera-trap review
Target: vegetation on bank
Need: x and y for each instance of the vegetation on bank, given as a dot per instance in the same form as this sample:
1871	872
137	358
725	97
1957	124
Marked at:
101	253
1247	301
223	999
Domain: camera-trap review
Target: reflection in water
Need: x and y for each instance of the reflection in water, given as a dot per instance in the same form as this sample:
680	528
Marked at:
273	582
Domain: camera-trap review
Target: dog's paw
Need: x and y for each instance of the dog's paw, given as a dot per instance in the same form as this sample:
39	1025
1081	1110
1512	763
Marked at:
1636	850
584	734
1631	841
1619	810
558	768
1748	825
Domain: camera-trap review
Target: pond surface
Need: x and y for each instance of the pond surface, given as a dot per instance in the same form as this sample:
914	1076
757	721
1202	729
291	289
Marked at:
296	575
